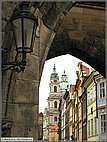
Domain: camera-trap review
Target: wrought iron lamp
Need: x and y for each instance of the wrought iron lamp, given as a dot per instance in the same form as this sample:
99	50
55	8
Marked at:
24	26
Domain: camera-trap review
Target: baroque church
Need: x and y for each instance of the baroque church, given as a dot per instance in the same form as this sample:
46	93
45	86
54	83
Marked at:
57	90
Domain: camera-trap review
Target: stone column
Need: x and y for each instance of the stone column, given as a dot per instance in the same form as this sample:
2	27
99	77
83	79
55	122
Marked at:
20	95
22	90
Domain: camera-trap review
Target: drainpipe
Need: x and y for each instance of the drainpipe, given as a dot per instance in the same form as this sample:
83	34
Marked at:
82	117
86	111
96	95
99	138
77	117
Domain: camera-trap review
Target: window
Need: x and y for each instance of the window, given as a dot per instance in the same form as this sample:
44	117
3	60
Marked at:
102	90
75	133
91	94
81	67
40	126
94	91
55	80
103	123
49	104
95	120
80	133
91	110
55	104
55	119
88	98
85	132
84	109
91	126
79	91
40	133
75	117
88	127
55	89
79	111
71	112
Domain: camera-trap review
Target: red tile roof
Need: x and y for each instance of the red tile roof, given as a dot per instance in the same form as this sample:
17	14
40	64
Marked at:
40	113
55	128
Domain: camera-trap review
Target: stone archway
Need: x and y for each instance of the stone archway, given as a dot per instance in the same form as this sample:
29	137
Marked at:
20	92
82	34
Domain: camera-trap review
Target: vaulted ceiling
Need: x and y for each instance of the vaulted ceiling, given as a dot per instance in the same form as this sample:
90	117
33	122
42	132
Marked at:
82	34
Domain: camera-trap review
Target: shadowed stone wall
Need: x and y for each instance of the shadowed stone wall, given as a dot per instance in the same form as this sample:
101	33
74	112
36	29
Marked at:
20	91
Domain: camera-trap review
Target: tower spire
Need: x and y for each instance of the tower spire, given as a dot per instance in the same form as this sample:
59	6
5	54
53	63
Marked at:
64	71
54	69
54	74
54	65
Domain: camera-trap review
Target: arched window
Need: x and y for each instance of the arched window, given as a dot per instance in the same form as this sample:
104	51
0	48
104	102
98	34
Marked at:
49	104
55	119
55	89
55	104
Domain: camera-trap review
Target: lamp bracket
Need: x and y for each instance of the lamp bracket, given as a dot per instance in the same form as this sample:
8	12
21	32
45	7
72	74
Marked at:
15	66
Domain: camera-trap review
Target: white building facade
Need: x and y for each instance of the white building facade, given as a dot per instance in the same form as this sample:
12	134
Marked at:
57	90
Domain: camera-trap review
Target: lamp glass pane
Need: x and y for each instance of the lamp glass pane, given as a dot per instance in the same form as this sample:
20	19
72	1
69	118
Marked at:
28	29
18	31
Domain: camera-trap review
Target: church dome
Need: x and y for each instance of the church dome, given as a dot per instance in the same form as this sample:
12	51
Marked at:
64	82
54	75
64	85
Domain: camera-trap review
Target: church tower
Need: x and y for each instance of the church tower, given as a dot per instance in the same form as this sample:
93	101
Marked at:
53	99
64	84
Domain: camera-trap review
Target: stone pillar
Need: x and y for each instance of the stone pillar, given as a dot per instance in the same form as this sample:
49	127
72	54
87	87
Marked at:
21	96
20	93
46	37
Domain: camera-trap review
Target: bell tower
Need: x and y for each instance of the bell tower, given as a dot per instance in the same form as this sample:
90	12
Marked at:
53	99
54	82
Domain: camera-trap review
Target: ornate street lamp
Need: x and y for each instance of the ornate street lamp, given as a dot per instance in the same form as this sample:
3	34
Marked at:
24	26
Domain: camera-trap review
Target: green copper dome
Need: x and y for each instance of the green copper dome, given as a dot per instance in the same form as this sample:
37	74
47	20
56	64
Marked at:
64	85
64	82
54	75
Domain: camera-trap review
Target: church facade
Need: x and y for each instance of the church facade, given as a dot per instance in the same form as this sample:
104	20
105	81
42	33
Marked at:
57	90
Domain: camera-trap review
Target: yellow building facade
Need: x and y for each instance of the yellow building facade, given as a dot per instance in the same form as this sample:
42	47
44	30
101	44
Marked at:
77	110
82	71
73	111
53	134
92	120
